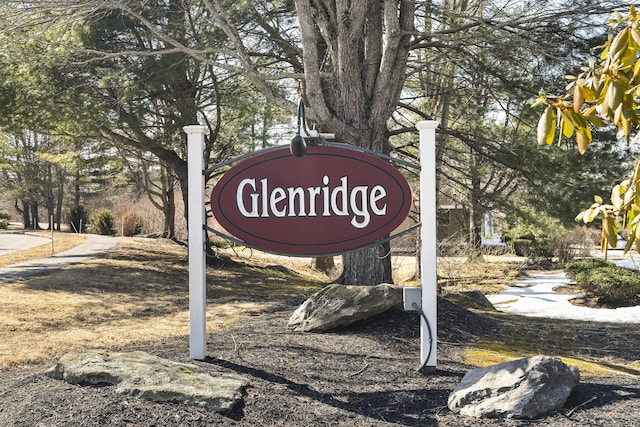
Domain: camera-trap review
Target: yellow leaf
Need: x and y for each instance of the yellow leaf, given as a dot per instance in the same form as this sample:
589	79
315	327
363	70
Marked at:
614	95
576	119
537	102
578	98
630	240
547	126
596	121
561	133
610	231
629	195
583	140
616	200
617	117
626	127
567	128
628	56
589	112
635	35
619	44
585	216
636	70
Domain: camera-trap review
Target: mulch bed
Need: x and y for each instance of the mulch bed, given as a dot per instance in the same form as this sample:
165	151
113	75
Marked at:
364	375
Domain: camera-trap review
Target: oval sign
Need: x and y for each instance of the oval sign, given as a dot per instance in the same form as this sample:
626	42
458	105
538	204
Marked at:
333	200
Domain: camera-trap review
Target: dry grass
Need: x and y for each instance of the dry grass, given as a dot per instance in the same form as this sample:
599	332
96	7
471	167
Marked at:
596	348
135	296
138	295
61	243
489	275
482	358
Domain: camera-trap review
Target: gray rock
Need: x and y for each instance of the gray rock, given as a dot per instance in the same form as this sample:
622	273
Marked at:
471	299
523	388
151	377
340	305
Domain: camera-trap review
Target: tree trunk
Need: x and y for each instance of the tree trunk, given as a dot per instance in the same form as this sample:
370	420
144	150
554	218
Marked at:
324	264
355	56
367	267
24	212
34	215
169	203
170	215
48	195
76	187
475	208
59	202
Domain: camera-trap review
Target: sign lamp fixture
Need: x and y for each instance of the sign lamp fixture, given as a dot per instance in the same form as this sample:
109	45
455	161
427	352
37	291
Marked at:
298	145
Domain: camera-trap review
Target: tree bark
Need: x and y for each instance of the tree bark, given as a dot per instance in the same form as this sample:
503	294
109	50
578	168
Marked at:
369	266
61	175
324	264
24	212
354	57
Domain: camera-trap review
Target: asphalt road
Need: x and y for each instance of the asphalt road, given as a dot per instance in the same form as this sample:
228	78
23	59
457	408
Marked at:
93	247
11	242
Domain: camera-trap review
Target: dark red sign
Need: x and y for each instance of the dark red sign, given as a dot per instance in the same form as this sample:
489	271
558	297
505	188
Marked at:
333	200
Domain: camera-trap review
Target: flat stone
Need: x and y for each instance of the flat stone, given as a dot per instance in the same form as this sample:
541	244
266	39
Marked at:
339	305
150	377
523	388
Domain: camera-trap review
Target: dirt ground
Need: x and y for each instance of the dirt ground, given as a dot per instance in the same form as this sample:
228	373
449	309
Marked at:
364	375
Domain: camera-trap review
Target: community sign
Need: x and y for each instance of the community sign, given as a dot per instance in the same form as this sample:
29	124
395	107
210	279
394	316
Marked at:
334	199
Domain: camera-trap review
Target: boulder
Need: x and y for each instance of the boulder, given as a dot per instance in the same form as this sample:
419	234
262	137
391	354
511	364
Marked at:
151	377
340	305
523	388
471	299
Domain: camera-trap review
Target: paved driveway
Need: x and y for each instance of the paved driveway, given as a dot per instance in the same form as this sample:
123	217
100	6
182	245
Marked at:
94	246
11	242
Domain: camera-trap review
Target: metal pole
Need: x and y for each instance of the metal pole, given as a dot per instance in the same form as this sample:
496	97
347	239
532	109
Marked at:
428	257
197	277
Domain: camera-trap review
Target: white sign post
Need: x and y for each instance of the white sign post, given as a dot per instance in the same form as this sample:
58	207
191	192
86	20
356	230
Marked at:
197	235
428	305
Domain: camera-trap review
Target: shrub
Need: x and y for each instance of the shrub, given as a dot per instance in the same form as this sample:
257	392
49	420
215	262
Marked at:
4	219
532	243
132	224
79	219
521	247
575	266
613	284
102	221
